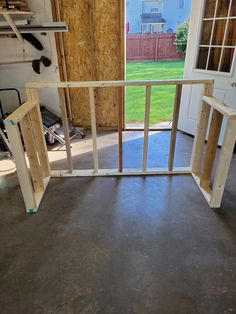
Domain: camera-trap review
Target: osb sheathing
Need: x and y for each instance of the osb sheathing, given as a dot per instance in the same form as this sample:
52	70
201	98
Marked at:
93	53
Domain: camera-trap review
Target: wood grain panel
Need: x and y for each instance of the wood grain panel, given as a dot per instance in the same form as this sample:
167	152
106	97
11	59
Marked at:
93	53
78	43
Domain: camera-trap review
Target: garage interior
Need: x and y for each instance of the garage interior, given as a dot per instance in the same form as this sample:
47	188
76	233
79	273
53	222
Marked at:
115	241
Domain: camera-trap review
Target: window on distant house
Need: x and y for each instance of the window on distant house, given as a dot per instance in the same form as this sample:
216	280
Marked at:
181	4
218	37
154	10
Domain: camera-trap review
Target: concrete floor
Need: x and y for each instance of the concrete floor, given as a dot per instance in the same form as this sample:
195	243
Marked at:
119	245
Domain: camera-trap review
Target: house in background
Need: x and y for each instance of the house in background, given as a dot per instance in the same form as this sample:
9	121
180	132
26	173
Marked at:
156	16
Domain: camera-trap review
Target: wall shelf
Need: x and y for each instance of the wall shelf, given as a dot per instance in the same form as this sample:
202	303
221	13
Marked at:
29	28
36	28
16	12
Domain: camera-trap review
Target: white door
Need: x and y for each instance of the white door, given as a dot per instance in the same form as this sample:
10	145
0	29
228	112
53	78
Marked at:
210	54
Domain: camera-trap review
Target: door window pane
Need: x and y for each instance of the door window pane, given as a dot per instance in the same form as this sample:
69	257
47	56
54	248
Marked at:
210	8
218	36
223	8
214	59
231	33
227	60
202	58
219	31
233	9
206	32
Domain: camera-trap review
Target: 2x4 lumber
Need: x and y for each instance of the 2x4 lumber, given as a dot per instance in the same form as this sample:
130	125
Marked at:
126	172
37	126
35	169
121	119
206	191
13	26
94	128
20	112
122	56
65	128
221	107
202	124
21	166
119	83
39	196
146	127
61	54
174	126
223	163
120	138
150	130
211	148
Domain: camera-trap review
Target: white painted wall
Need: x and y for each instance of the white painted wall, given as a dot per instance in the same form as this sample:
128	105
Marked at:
16	75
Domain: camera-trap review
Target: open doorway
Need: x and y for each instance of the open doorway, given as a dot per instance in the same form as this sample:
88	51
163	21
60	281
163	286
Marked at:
152	54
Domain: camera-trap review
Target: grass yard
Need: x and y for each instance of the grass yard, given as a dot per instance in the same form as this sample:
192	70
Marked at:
162	100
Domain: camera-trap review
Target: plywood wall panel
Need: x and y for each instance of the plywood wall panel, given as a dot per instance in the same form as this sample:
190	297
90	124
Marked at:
107	56
93	52
79	48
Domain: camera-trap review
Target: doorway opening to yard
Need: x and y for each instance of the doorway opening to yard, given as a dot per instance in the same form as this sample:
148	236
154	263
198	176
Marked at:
152	54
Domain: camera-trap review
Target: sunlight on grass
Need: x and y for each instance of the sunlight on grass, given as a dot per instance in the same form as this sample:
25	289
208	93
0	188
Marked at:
162	100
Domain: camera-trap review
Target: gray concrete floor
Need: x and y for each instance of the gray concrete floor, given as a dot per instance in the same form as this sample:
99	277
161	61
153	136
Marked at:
118	245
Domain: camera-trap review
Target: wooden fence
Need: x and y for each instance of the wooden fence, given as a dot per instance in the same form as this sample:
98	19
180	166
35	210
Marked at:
151	47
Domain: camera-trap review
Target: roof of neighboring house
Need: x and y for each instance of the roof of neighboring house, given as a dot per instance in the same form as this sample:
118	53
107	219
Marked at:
151	18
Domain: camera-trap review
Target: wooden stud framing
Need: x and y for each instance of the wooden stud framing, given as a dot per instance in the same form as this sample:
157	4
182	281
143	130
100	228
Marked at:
94	129
211	147
146	127
21	111
28	136
22	169
123	59
37	125
30	119
120	140
33	181
214	196
174	126
61	54
121	115
202	124
224	163
126	172
65	124
94	84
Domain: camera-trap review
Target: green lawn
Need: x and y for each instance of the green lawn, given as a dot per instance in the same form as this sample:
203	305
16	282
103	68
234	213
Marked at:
162	96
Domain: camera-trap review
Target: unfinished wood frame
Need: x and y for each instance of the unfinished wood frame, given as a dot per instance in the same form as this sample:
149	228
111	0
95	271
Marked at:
27	142
212	186
202	178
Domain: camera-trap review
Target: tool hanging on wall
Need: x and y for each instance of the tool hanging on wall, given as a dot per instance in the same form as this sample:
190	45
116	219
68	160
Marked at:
36	64
33	41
